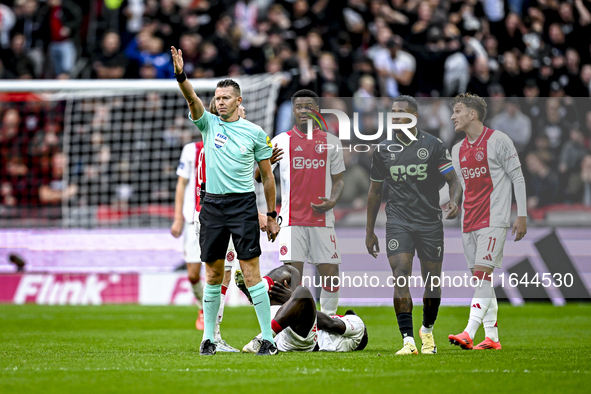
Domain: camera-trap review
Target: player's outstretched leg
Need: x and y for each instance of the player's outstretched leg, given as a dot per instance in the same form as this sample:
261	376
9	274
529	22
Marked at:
194	274
329	295
401	265
431	302
483	297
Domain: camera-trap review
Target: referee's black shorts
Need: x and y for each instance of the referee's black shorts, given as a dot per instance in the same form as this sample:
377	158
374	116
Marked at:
223	215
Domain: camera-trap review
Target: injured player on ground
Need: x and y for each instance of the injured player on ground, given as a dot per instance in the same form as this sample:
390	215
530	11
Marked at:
298	326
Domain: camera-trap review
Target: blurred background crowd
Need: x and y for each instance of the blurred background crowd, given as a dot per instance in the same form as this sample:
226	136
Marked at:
532	57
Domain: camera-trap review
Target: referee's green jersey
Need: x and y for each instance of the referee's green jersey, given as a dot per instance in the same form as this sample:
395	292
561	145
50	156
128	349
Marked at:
231	149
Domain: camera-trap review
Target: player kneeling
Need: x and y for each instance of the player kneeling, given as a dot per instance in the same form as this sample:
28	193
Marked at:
299	327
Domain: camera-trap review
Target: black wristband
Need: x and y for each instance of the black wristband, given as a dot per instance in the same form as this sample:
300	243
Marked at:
272	214
180	78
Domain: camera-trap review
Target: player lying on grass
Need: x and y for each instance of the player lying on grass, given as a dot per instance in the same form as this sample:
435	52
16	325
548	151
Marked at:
299	327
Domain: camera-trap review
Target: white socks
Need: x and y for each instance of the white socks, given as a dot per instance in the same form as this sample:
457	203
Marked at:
329	302
409	339
490	321
427	330
483	297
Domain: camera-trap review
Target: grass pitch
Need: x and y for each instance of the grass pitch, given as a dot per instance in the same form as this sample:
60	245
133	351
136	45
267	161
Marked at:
69	349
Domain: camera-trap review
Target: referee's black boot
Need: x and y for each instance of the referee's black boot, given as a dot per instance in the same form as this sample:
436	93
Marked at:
267	348
207	348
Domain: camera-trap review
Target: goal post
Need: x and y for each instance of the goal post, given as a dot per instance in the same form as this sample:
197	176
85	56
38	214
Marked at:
119	142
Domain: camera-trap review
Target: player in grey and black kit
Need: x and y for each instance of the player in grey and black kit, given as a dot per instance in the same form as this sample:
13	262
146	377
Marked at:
414	175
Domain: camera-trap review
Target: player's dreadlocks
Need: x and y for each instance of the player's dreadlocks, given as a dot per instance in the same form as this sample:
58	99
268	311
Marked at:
472	101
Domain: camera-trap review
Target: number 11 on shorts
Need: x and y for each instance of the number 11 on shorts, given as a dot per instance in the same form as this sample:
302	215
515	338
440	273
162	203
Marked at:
494	242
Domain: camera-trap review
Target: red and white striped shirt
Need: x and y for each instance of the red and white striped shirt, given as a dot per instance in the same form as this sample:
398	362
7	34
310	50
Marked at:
483	167
305	170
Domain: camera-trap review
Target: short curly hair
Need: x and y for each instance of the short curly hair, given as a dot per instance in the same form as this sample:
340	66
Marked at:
472	101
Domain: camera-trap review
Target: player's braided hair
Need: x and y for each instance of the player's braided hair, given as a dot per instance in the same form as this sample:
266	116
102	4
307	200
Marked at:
472	101
224	83
411	101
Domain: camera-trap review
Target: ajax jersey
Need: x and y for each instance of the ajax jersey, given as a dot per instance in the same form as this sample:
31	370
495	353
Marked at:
483	167
305	172
192	167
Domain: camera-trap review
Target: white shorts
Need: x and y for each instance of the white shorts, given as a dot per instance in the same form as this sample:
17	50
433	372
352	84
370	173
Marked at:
485	246
318	244
192	250
288	341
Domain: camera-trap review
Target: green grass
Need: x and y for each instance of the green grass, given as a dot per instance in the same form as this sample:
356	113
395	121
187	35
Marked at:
69	349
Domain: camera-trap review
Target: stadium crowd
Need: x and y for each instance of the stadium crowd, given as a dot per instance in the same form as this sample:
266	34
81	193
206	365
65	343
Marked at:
526	49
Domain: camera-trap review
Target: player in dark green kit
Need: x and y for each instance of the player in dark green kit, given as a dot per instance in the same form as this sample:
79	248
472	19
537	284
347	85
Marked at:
413	175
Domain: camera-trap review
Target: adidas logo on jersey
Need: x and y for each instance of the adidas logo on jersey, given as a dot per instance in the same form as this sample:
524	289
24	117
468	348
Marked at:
464	158
476	306
299	149
488	257
335	256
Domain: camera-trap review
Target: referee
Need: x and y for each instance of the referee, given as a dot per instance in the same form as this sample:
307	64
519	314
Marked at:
232	145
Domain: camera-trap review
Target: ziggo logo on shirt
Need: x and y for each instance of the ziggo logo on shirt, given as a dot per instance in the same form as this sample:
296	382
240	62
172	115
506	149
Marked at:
473	172
301	163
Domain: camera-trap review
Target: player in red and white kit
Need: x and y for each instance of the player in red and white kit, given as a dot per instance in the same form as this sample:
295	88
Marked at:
311	173
487	164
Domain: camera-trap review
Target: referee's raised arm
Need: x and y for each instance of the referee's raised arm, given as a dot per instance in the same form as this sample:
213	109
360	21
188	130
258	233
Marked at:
195	104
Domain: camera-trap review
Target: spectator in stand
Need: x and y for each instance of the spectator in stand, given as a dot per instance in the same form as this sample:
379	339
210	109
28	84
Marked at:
60	26
586	181
480	79
543	183
189	44
553	125
357	178
7	21
110	62
16	59
395	67
510	77
572	153
54	190
514	123
148	49
29	23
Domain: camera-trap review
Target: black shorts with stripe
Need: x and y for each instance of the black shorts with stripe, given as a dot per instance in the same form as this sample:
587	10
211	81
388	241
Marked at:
229	215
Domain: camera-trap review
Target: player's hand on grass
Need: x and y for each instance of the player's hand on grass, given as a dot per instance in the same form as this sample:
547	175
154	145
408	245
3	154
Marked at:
177	228
280	291
177	60
326	205
373	244
519	228
272	229
263	221
277	154
452	209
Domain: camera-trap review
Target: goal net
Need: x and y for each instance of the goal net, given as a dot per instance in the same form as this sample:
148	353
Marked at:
90	154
